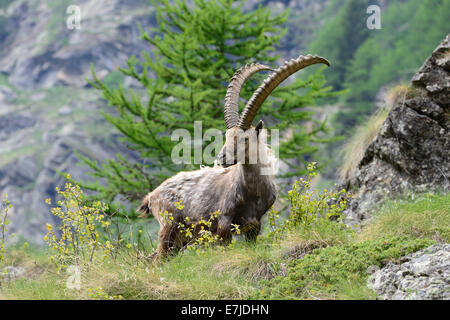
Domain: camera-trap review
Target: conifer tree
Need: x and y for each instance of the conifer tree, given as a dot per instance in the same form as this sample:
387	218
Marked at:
194	51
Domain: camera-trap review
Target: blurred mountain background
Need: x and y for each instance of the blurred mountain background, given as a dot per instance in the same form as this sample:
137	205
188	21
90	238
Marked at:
48	109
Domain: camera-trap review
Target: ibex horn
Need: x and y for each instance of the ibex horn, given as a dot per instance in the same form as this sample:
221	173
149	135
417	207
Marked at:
271	82
231	107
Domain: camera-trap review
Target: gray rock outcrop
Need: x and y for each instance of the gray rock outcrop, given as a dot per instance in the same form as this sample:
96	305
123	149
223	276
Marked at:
411	152
10	273
47	109
40	51
423	275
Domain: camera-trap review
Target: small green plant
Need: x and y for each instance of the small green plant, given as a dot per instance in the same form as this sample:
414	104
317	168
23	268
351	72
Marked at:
79	235
196	235
308	206
5	206
100	294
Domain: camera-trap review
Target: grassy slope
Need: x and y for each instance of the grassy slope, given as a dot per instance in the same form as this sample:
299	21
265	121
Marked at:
335	267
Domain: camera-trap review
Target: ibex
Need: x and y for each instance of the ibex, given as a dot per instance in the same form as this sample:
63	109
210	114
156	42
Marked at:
236	187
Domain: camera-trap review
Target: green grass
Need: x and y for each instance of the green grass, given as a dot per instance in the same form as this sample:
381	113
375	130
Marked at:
428	216
330	272
113	79
4	81
50	287
15	153
321	262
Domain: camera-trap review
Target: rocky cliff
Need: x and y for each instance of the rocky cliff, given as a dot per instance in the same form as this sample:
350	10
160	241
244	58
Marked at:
47	108
423	275
39	51
411	152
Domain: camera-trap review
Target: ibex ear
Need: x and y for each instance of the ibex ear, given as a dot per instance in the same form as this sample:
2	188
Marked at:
259	126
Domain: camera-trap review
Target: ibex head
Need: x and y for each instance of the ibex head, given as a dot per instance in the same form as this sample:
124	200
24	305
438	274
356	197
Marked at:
243	142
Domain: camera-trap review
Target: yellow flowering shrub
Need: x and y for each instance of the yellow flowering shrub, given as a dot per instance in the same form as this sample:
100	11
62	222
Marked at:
308	206
100	294
196	234
78	236
5	206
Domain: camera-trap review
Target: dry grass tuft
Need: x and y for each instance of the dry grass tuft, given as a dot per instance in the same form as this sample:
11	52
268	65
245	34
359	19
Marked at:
253	264
397	94
353	151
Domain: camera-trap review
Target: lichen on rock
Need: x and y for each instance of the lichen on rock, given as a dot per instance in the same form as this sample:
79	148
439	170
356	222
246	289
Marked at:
423	275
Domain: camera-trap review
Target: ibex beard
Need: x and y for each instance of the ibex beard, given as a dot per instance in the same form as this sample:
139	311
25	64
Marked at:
241	186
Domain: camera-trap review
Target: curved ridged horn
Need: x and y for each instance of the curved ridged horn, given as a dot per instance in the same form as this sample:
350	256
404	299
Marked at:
231	107
271	82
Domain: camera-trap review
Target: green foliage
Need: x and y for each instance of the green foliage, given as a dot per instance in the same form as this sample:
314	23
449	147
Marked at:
196	235
124	177
100	294
423	216
184	80
340	38
89	231
370	59
113	79
324	271
303	25
410	31
308	207
5	206
187	229
78	237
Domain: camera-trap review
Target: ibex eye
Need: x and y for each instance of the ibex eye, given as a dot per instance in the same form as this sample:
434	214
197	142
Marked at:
259	126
